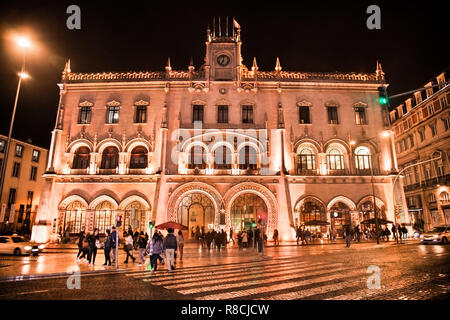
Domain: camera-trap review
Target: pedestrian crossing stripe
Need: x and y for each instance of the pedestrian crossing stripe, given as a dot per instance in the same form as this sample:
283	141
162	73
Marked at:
276	279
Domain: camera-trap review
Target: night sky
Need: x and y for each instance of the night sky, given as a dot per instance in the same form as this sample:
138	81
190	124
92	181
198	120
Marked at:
412	44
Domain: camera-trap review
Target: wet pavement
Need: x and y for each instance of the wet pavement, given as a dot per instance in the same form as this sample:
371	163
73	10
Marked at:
406	272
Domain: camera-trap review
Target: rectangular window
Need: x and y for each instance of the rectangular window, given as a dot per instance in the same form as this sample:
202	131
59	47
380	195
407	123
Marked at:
304	116
19	150
11	197
433	130
332	115
33	173
422	135
36	154
112	115
197	113
84	116
30	198
2	145
443	102
21	211
247	114
222	116
141	114
446	123
360	115
411	141
16	169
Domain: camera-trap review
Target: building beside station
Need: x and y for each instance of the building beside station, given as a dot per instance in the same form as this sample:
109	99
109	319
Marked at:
22	186
421	125
215	147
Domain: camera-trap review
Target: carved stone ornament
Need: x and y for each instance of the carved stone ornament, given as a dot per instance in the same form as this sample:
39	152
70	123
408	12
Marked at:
141	103
86	103
113	103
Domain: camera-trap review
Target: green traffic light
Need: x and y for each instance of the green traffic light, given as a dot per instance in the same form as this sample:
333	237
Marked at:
383	100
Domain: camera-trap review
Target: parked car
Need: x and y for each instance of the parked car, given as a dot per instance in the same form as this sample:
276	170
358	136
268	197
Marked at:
437	235
18	245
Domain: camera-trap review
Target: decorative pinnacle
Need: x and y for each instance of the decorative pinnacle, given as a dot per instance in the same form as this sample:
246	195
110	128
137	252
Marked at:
191	65
168	67
67	67
278	66
255	66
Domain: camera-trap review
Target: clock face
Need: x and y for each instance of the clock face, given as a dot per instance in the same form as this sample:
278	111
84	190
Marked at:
223	60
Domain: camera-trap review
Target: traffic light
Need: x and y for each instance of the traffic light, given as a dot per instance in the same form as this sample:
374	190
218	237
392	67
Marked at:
259	218
253	224
382	96
150	224
119	221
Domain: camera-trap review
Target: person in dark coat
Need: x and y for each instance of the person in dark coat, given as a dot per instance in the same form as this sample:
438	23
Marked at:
93	243
209	239
107	248
80	244
348	237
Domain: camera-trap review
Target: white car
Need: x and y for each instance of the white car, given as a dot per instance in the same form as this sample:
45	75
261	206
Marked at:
437	235
17	246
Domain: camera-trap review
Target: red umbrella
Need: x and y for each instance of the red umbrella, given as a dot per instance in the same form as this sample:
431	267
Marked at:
171	224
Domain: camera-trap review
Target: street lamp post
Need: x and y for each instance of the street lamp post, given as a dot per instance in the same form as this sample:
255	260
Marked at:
23	43
375	206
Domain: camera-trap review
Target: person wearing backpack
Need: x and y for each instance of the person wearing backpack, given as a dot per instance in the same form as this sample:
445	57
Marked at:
169	246
107	248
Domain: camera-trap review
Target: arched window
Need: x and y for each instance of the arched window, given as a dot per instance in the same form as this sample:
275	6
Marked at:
135	217
335	159
75	218
248	158
306	160
105	216
444	197
197	157
81	158
110	158
222	158
138	158
362	158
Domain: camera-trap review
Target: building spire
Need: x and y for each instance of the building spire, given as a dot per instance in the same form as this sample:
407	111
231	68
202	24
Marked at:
278	65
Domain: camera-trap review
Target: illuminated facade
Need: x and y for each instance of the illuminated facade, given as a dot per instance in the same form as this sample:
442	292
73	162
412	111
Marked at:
422	132
217	146
23	182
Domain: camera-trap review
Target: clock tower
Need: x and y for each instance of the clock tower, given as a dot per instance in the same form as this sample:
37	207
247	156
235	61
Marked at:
223	51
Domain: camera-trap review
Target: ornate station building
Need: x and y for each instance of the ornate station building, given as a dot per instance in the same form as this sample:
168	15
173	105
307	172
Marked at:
217	146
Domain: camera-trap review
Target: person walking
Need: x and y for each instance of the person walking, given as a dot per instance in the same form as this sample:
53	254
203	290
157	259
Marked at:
218	240
298	234
231	235
400	232
107	247
142	243
93	243
85	248
348	237
129	246
209	240
180	241
155	247
80	244
394	232
275	237
169	247
245	239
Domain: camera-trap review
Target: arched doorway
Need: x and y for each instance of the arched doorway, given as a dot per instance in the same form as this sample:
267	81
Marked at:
340	218
310	214
196	211
244	211
135	217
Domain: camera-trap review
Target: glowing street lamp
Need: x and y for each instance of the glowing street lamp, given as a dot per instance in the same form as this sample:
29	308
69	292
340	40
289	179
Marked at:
24	43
